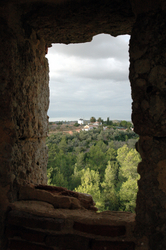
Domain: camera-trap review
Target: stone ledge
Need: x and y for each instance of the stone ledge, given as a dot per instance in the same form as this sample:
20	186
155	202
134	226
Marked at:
24	245
68	241
31	235
20	218
103	230
38	225
110	245
57	196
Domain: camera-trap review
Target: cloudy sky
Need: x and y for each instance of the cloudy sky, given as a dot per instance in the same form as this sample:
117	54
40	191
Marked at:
90	79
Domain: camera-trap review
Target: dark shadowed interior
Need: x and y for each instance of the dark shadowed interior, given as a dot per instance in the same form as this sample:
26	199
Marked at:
32	214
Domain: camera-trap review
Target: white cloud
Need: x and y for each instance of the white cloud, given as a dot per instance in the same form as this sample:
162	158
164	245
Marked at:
90	79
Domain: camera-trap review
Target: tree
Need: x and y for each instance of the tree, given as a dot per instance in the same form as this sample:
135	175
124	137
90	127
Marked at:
126	124
76	124
97	158
56	178
109	122
75	179
128	171
92	119
90	185
128	193
80	161
123	124
111	152
121	153
130	163
109	185
95	162
100	120
63	144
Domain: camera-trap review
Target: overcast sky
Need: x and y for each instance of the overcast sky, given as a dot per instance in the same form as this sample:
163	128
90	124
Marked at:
90	79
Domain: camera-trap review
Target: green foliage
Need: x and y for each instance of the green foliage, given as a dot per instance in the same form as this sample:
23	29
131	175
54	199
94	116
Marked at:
90	183
130	163
75	179
109	185
129	177
100	120
60	123
76	124
100	162
92	119
128	193
126	124
121	153
108	122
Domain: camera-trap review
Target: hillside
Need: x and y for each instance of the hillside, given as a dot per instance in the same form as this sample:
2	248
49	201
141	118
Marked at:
100	162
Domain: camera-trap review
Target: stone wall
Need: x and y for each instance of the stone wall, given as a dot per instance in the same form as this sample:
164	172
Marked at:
48	224
148	81
45	233
27	29
25	98
23	107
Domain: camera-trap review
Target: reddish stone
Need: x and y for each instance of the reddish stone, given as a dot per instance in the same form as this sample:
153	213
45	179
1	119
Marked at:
25	234
24	245
112	245
33	221
103	230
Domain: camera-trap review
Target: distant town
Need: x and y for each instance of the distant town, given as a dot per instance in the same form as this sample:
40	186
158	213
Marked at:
86	125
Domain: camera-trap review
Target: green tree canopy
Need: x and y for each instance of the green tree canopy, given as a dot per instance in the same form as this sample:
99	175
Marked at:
121	153
110	194
128	193
90	184
130	163
92	119
100	120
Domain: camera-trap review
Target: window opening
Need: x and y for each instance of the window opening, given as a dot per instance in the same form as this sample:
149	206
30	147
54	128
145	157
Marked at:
91	139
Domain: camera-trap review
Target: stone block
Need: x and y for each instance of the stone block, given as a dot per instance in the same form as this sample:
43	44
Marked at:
112	245
24	245
58	201
142	66
25	234
103	230
68	241
32	221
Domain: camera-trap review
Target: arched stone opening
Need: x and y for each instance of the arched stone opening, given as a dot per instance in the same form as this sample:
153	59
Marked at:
28	28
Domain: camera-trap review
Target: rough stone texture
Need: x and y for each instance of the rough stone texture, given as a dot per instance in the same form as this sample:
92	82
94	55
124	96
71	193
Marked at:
23	107
103	230
141	6
20	245
29	109
27	28
148	75
79	21
25	97
25	233
57	196
148	81
28	220
100	245
46	228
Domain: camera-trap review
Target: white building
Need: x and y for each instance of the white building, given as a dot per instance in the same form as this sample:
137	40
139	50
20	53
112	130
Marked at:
88	127
81	121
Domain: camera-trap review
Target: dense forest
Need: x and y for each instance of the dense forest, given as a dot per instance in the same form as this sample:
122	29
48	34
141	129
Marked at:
99	162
